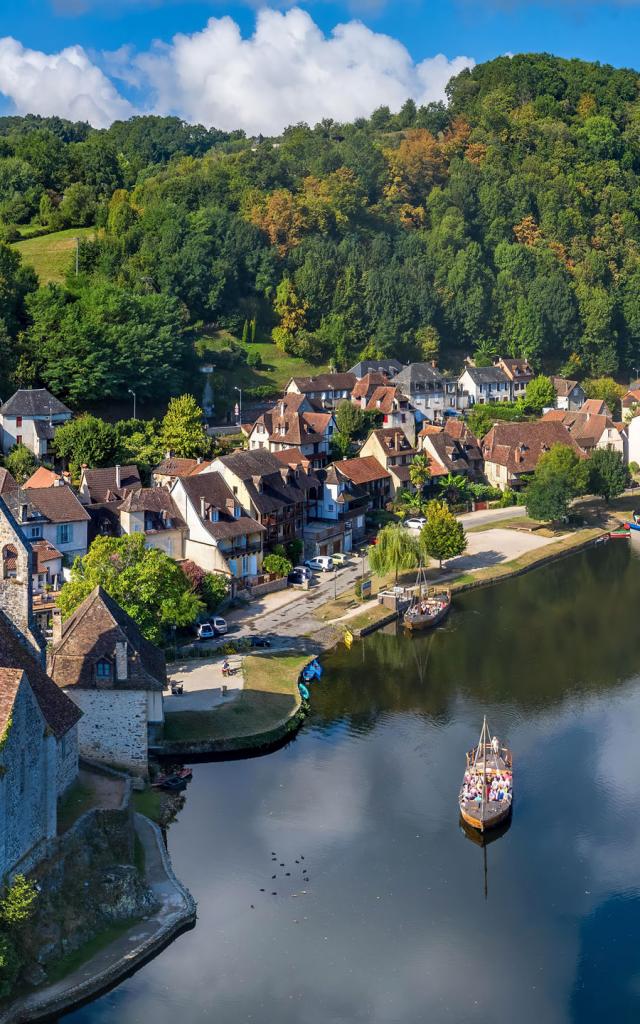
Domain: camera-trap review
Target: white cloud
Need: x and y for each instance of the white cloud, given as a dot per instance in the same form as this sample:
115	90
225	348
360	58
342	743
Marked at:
65	83
287	71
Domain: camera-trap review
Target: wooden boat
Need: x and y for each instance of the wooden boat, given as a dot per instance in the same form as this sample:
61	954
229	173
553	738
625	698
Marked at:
624	533
428	607
486	794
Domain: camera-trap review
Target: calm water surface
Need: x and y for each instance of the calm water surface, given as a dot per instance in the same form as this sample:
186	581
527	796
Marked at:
395	926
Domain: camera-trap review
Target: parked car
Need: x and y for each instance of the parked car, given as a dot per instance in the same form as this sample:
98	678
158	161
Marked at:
340	558
205	631
415	522
260	641
219	625
303	570
323	563
297	577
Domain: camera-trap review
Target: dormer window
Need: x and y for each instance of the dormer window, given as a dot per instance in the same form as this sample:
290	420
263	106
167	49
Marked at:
237	511
103	670
215	515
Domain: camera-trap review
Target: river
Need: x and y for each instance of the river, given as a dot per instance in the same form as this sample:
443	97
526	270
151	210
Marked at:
398	923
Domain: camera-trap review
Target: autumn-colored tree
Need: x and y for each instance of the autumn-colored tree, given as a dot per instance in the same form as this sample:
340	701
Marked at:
292	313
527	232
414	168
280	215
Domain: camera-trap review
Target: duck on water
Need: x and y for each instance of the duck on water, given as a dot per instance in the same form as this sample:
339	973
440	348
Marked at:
486	794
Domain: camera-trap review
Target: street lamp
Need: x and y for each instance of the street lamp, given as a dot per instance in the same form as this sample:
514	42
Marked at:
134	401
239	390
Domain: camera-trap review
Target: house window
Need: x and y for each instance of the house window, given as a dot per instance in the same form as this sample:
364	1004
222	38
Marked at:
64	533
19	439
215	515
18	421
103	669
35	532
237	511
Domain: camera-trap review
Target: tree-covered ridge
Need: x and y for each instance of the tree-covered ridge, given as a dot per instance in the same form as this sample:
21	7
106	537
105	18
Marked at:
506	221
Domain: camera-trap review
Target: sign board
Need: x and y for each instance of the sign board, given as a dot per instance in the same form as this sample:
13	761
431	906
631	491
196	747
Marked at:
365	588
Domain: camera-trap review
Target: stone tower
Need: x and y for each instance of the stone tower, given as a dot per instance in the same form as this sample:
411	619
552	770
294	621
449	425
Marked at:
16	566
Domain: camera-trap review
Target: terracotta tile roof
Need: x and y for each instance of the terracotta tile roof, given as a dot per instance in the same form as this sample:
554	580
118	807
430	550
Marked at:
293	457
363	470
325	382
42	477
43	552
563	387
515	369
59	711
91	633
365	387
179	467
632	397
448	452
7	482
285	425
385	399
587	428
430	428
103	486
596	406
518	446
56	504
267	481
154	499
458	429
393	439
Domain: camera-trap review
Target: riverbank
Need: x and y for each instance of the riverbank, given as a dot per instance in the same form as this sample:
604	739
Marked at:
265	712
133	947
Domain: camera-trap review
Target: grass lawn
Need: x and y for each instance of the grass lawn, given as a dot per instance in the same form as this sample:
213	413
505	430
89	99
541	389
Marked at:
277	368
269	698
51	255
370	615
72	961
149	803
77	799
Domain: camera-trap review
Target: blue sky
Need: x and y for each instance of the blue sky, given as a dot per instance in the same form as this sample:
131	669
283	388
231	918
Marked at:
232	74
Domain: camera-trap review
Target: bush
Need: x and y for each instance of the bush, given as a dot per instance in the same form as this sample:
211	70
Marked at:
276	565
214	588
507	499
634	467
254	359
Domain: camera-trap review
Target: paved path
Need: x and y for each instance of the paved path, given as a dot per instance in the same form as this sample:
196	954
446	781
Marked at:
203	682
145	938
491	547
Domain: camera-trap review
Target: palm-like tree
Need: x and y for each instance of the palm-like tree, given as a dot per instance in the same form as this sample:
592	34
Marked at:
420	471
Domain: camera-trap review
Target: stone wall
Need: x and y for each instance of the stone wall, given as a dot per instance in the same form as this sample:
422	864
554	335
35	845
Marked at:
27	785
15	594
113	727
67	758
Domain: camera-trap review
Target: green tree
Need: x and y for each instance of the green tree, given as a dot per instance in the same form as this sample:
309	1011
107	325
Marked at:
182	429
349	419
86	440
395	551
442	536
606	389
540	394
420	472
148	584
214	590
608	475
277	565
21	462
560	476
16	907
139	444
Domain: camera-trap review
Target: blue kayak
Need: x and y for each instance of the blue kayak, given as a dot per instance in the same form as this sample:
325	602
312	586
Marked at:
304	693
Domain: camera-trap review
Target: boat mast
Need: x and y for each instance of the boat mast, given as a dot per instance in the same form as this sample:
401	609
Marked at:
483	739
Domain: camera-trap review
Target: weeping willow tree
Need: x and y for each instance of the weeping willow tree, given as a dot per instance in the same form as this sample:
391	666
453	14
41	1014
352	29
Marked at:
396	551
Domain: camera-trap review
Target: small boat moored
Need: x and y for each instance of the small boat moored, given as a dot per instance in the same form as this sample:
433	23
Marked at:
486	794
428	607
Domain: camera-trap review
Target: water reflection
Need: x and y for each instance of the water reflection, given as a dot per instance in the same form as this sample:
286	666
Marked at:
393	925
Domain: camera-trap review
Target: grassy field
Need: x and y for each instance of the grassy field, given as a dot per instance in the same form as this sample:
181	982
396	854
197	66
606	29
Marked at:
277	367
269	698
51	255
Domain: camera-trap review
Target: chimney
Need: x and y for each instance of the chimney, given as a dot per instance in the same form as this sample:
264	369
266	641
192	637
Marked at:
118	477
122	667
203	508
56	625
282	408
24	509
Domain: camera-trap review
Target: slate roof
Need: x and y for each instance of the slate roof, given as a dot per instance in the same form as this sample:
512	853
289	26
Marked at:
7	482
218	495
563	387
364	470
29	402
449	453
418	373
154	499
388	366
102	482
518	446
56	504
92	632
59	711
269	484
486	374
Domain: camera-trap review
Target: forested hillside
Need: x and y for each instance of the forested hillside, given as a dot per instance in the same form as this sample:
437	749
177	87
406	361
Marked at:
507	220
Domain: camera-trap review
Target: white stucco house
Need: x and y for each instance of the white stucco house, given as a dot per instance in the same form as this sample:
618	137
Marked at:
54	514
31	417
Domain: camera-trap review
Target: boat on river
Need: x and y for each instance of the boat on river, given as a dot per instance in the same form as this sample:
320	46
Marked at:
486	794
428	606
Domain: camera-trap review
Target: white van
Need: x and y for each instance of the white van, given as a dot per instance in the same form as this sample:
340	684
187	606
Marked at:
323	563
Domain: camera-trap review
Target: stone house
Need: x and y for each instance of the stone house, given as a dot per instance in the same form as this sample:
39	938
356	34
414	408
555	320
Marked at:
103	663
31	417
7	483
171	469
446	453
220	536
512	450
518	373
53	514
367	473
431	392
271	491
459	431
393	450
570	394
38	723
590	430
152	511
327	388
287	426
